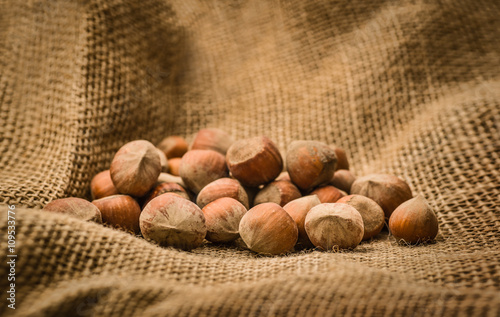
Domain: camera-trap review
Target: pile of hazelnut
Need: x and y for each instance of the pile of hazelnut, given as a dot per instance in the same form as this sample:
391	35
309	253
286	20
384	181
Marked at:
216	189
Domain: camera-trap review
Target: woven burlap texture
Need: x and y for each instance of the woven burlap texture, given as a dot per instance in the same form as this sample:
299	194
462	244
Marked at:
409	88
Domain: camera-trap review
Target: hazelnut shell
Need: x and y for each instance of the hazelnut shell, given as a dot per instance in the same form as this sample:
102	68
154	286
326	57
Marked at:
102	185
75	207
164	188
388	191
223	187
298	210
333	225
212	139
120	211
279	192
174	165
414	221
170	220
268	229
343	179
222	218
342	161
163	161
135	168
173	146
310	163
254	161
328	194
371	212
201	167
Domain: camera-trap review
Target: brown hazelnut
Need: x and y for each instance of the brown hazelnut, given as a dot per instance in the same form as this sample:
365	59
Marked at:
283	177
414	221
222	217
371	212
135	168
120	211
310	163
212	139
201	167
254	161
278	192
387	191
223	187
342	162
331	226
298	210
163	188
76	207
268	229
163	161
102	185
328	194
170	220
173	165
343	179
173	146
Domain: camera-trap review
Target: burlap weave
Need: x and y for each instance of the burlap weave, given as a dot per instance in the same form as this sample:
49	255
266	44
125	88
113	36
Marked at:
410	88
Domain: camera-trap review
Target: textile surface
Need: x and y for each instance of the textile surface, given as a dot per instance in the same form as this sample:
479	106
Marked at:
410	88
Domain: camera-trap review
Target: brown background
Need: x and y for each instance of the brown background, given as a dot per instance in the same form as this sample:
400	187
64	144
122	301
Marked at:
406	87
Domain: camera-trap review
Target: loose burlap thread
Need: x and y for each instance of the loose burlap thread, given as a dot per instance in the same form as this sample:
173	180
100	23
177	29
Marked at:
409	88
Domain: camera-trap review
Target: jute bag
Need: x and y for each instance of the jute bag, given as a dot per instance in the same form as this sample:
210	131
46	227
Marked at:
409	88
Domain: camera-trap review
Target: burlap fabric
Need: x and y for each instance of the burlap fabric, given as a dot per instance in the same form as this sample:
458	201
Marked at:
406	87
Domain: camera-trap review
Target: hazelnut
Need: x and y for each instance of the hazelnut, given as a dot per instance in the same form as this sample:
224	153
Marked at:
328	194
331	226
298	210
342	162
254	161
343	179
414	221
170	220
163	161
279	192
102	185
371	212
268	229
223	187
283	177
310	163
387	191
120	211
222	217
135	168
169	178
200	167
76	207
173	146
212	139
173	165
163	188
